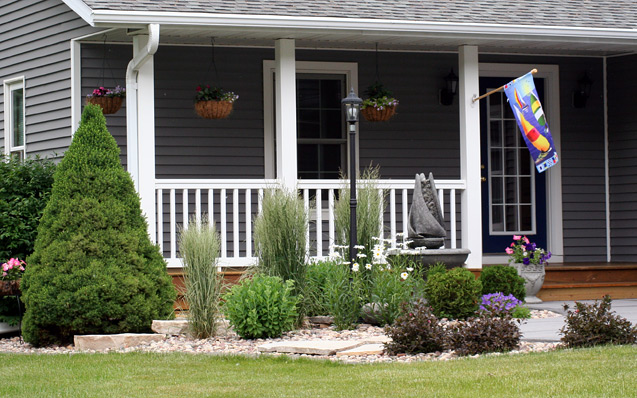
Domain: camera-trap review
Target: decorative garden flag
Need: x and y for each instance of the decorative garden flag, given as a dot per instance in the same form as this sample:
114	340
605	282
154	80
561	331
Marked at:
528	112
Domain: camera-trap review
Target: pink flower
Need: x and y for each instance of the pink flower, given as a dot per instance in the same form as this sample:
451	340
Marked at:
526	240
198	88
5	267
513	244
4	274
508	250
517	237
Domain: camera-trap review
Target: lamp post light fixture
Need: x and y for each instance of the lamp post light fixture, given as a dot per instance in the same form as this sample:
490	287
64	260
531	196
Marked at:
352	105
450	90
583	91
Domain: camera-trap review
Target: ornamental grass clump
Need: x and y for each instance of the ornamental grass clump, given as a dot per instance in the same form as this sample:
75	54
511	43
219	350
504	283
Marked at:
199	247
502	279
371	202
94	269
453	294
595	324
316	282
261	307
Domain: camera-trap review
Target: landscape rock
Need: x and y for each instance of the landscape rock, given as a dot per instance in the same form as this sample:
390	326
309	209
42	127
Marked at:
365	349
314	347
171	327
98	342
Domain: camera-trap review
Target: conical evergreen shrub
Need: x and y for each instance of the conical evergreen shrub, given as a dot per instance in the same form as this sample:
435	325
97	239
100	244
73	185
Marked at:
93	269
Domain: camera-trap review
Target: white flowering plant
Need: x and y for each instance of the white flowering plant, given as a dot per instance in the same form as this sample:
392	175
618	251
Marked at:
378	97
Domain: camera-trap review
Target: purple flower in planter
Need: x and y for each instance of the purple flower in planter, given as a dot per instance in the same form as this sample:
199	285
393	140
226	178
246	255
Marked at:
526	261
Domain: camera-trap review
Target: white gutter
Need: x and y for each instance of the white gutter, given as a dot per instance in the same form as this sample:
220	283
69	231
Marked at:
358	25
132	143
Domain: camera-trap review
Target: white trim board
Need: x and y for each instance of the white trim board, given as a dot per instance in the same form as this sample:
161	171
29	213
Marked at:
349	69
19	81
551	104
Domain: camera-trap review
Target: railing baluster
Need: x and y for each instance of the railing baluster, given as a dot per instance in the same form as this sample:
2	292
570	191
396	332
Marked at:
211	208
441	199
392	216
160	220
248	197
319	223
260	201
198	206
405	213
173	226
306	203
381	215
235	221
452	216
330	205
184	208
222	210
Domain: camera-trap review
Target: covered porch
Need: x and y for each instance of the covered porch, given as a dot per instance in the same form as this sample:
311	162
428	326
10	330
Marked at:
184	166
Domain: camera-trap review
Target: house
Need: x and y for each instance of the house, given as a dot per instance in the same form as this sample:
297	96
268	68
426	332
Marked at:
292	61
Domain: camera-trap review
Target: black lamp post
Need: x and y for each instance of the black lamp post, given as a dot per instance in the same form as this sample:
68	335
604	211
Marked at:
450	90
352	105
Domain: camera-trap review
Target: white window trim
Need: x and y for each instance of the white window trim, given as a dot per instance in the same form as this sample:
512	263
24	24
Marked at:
551	103
9	86
349	69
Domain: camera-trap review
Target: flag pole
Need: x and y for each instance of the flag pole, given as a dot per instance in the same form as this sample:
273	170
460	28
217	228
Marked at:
534	71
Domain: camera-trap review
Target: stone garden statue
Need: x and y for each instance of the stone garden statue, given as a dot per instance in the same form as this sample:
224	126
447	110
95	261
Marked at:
426	223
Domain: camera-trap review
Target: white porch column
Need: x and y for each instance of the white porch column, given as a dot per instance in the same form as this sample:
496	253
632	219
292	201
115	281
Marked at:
471	210
285	93
141	146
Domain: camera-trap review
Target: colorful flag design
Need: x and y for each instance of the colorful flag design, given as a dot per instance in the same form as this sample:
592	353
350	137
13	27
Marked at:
528	112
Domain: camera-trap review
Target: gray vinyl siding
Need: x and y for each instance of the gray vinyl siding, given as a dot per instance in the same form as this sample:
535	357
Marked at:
35	37
581	156
622	123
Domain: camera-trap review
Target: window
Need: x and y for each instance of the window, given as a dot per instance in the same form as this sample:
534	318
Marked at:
14	135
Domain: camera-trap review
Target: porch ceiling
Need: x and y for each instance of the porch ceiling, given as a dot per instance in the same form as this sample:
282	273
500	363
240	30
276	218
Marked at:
532	43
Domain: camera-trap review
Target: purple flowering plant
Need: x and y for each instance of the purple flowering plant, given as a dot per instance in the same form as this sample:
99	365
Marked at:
379	97
118	91
498	305
526	252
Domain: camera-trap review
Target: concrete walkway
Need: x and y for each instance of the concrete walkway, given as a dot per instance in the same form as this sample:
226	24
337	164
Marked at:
548	329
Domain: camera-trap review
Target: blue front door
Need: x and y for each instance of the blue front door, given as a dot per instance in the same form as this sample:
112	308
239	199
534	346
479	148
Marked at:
513	192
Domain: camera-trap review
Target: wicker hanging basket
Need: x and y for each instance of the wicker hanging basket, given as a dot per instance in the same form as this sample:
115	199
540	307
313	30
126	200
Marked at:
109	105
372	114
9	288
213	109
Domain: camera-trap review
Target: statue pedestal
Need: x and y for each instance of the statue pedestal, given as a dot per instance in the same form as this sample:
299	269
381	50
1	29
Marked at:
450	257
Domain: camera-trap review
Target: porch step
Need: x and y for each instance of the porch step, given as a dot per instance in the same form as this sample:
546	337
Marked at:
566	291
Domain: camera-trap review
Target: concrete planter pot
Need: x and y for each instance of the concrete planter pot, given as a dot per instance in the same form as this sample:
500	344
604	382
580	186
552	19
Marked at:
6	328
534	279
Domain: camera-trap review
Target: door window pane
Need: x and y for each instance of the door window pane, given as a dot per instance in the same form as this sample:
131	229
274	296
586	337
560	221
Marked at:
497	197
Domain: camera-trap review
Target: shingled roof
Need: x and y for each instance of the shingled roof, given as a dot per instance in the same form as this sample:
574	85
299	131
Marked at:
615	14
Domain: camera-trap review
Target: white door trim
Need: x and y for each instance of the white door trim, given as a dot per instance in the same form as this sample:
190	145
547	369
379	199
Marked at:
349	69
551	104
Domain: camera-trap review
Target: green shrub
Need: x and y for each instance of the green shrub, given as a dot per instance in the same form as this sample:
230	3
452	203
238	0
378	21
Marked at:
521	312
261	307
314	295
279	236
415	331
483	334
199	247
94	269
437	268
595	324
502	279
344	295
453	294
25	188
369	205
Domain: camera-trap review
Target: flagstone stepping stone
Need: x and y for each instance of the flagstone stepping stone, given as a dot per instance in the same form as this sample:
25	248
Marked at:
314	347
99	342
366	349
172	327
377	339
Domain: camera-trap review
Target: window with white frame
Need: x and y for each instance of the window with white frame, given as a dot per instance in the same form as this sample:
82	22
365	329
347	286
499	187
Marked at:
14	135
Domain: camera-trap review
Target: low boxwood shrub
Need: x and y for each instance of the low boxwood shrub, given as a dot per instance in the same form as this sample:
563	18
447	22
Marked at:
453	294
483	334
261	307
415	331
595	324
502	279
25	188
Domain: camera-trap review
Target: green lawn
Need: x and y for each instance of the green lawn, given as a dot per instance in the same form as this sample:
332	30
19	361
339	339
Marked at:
598	372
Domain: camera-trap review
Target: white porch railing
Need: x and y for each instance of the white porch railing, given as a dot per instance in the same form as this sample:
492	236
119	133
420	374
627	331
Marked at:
233	204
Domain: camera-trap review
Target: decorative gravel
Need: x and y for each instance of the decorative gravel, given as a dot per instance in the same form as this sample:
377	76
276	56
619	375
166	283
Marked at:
231	344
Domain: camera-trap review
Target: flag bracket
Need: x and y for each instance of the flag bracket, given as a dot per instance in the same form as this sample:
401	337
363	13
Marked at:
534	71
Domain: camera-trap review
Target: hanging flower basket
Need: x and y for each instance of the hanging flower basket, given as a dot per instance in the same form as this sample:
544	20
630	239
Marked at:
372	114
9	288
213	109
109	105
